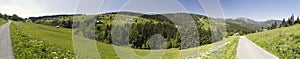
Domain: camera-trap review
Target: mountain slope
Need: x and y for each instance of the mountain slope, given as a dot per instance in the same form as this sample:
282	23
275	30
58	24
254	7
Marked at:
252	24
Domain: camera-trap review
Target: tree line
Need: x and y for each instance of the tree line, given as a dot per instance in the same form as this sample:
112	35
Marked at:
11	17
142	30
285	23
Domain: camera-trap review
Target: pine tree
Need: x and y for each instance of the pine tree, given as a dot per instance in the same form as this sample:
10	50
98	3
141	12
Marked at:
297	21
291	20
283	23
1	15
275	25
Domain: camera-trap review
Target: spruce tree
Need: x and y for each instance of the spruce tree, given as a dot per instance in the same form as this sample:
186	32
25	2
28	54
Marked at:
275	25
1	15
297	21
283	23
291	20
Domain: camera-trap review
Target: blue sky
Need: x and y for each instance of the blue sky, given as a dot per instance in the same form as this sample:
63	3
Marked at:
254	9
261	9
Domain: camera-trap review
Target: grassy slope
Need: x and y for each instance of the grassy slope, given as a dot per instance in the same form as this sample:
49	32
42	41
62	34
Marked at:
282	42
27	37
37	41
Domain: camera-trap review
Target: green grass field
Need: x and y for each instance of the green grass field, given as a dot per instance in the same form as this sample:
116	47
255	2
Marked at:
282	42
40	41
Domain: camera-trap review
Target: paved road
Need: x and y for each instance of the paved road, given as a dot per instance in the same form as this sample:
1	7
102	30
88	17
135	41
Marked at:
249	50
5	42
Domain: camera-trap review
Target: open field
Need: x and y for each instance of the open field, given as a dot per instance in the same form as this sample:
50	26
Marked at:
282	42
40	41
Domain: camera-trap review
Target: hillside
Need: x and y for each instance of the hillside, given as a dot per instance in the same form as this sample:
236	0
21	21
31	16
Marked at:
40	41
142	28
232	28
282	42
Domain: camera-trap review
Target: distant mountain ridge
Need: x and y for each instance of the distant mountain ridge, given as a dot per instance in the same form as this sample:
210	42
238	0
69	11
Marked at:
250	23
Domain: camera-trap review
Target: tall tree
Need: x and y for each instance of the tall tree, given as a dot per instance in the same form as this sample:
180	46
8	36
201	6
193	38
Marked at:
1	15
291	20
5	16
297	21
283	23
15	17
275	25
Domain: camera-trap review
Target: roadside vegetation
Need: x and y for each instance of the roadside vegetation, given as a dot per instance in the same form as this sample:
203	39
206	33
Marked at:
228	51
282	42
39	41
2	21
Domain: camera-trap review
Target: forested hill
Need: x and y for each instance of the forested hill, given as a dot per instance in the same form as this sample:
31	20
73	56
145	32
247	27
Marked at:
144	26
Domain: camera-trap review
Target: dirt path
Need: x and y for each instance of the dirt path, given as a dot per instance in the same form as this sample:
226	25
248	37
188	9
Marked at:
249	50
6	51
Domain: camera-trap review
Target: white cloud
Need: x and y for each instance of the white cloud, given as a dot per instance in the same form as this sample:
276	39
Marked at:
23	8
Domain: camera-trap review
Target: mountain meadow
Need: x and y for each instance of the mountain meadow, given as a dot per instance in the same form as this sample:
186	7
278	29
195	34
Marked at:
51	36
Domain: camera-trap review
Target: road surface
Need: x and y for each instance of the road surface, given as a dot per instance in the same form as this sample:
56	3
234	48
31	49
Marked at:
249	50
5	42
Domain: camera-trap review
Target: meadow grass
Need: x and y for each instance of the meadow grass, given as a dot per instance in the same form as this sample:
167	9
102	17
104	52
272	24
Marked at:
40	41
283	42
30	42
228	51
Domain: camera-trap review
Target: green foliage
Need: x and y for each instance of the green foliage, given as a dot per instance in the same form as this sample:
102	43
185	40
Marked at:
273	26
65	22
13	17
16	18
2	21
228	51
141	28
282	42
30	40
232	28
1	15
284	23
27	45
290	22
297	21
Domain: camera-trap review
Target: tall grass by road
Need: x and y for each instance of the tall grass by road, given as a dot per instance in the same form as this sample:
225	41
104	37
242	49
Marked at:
2	21
282	42
31	41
